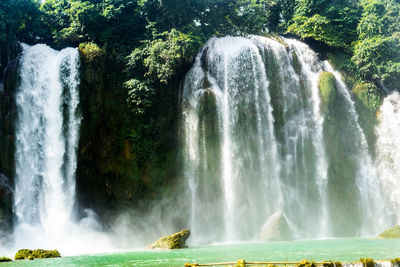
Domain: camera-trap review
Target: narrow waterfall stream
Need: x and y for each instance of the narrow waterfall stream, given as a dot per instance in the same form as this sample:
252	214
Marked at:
47	134
46	143
257	146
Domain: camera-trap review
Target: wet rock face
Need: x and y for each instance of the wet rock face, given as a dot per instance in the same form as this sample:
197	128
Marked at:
7	119
173	241
6	213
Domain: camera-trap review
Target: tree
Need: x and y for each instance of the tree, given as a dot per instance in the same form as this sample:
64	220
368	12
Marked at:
332	22
376	54
19	20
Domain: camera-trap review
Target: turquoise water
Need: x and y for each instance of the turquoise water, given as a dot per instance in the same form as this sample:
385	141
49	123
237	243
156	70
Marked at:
346	250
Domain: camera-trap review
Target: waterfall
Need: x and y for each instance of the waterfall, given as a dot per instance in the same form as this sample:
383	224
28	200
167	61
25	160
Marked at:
234	87
47	133
371	197
256	145
46	142
388	153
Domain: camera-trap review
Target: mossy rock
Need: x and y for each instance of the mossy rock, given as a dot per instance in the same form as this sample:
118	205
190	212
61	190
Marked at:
23	254
368	94
306	263
296	62
332	264
395	262
27	254
41	254
391	233
173	241
5	259
367	262
327	89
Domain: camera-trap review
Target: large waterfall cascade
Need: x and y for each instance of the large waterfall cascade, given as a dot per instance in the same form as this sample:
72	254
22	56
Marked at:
255	145
47	132
256	149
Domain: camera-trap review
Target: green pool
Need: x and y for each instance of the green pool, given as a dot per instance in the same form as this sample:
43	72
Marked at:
318	250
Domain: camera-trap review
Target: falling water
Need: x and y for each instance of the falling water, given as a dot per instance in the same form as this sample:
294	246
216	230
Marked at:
234	87
45	142
255	144
228	121
388	153
371	197
47	132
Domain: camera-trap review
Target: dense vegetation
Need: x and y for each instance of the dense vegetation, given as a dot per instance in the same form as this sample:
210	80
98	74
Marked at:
135	53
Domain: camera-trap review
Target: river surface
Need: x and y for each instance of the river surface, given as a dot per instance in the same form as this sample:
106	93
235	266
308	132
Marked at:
345	250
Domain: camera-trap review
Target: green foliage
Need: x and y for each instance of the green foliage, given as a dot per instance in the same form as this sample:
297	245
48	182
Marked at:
376	54
140	95
331	22
162	56
19	21
90	51
257	17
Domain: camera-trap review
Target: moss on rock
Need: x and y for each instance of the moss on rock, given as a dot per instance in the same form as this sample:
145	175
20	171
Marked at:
27	254
23	254
306	263
391	233
5	259
332	264
328	90
296	63
367	262
173	241
368	94
395	262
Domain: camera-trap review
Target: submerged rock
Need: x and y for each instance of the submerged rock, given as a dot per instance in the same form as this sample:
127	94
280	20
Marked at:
173	241
393	232
276	228
27	254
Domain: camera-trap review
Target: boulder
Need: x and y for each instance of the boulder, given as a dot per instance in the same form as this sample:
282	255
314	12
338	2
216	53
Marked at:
276	228
173	241
393	232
